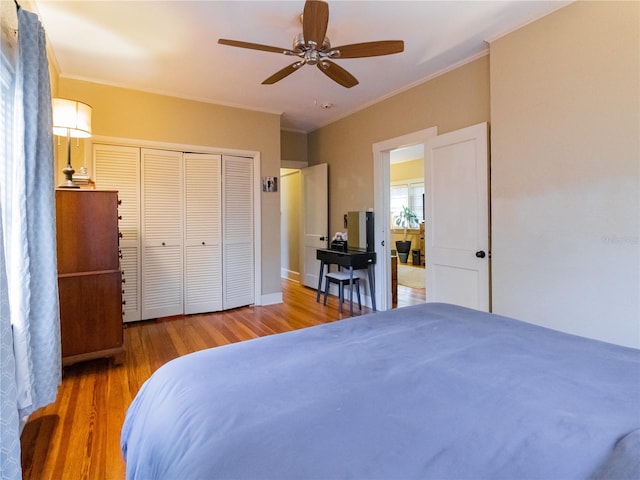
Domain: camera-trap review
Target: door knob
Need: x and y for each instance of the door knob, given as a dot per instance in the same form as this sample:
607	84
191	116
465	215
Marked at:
322	239
480	254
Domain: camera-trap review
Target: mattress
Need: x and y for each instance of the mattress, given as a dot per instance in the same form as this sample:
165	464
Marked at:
429	391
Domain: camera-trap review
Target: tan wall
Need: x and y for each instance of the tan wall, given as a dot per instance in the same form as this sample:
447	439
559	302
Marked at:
565	97
131	114
294	146
451	101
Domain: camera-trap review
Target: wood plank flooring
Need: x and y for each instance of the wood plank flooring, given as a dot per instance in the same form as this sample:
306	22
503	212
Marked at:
410	296
78	437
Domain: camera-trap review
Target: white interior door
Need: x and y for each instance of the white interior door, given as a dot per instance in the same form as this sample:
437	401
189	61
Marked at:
315	220
118	168
162	234
202	233
457	218
238	232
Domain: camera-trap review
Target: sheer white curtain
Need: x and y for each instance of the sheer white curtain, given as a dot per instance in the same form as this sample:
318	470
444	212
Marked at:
29	292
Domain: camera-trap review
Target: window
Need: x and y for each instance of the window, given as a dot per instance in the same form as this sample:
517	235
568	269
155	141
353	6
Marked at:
407	194
7	81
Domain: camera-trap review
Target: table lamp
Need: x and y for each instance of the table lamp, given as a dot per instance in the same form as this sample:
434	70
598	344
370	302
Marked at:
73	119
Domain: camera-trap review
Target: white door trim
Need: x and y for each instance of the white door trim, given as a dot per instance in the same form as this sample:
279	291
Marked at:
257	190
381	208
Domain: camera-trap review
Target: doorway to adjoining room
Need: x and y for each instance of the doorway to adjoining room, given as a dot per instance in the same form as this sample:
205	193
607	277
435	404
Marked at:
406	223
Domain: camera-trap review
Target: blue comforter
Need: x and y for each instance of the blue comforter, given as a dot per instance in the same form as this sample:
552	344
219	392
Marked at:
431	391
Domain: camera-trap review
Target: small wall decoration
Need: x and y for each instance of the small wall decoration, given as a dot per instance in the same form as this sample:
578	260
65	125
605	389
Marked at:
269	184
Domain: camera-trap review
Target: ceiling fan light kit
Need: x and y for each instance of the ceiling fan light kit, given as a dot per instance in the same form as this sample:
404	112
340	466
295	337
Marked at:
313	47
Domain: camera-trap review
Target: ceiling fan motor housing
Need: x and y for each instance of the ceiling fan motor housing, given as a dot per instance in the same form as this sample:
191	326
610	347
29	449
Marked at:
299	44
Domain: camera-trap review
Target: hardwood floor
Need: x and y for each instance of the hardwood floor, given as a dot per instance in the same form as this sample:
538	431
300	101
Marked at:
410	296
78	437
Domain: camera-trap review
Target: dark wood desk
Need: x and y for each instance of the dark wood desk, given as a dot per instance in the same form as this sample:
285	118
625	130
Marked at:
353	260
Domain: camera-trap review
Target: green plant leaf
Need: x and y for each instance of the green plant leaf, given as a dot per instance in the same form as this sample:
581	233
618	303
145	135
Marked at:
407	218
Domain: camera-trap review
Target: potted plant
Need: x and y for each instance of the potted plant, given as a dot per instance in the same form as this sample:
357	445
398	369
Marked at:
406	219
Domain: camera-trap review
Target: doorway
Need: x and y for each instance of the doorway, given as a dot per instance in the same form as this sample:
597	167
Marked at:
304	221
406	175
290	188
382	153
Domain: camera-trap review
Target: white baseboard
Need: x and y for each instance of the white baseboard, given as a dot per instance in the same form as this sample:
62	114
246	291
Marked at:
271	298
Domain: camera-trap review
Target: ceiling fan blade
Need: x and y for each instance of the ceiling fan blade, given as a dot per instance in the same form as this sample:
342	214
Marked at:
254	46
338	74
314	21
369	49
280	74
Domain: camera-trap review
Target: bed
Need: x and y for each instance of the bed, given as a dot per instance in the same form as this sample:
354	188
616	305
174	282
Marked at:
433	391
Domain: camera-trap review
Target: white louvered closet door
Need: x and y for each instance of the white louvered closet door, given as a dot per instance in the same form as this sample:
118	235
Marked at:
162	237
118	168
238	261
203	233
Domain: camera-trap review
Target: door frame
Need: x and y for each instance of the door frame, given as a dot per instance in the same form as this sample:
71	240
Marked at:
257	192
381	207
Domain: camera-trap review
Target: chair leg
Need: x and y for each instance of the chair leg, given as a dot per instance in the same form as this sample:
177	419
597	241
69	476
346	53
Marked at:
326	290
358	291
340	294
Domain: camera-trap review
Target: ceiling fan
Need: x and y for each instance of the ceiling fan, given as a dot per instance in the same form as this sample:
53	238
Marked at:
314	48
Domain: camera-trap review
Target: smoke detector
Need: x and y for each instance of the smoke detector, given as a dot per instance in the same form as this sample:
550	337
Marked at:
323	105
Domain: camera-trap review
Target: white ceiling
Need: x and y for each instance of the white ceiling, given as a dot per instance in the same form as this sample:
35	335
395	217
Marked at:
406	154
170	47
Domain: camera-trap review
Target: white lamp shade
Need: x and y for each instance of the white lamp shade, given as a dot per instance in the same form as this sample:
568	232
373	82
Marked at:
71	116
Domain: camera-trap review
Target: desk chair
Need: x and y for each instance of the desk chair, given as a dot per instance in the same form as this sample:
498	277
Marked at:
341	279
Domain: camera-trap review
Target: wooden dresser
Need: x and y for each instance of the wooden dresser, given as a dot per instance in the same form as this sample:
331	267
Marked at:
89	276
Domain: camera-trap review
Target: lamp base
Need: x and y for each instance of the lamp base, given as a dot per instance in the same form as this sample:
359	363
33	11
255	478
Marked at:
68	175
